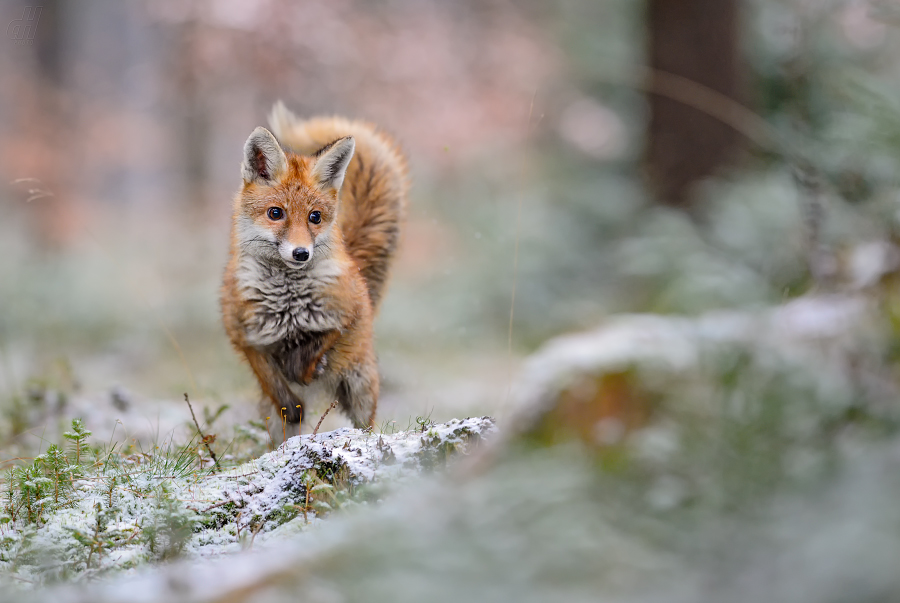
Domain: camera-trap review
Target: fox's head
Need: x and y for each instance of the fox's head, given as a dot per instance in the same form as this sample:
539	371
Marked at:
288	205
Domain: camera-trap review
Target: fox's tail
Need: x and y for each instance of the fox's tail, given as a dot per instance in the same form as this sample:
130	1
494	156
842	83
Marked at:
373	196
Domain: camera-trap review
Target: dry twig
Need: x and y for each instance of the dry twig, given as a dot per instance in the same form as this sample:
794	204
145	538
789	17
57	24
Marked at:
218	504
322	418
206	440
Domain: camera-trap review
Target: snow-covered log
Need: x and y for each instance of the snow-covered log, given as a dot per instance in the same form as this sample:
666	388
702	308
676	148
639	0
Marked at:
605	382
122	517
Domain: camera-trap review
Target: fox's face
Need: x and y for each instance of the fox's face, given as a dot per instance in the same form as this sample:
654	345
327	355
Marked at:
289	203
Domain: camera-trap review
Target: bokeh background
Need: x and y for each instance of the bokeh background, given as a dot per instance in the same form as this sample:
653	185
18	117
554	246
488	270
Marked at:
599	157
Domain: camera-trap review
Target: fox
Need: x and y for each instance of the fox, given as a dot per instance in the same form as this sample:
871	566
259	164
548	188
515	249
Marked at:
315	227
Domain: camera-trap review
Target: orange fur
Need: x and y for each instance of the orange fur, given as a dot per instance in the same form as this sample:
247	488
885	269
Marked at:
305	327
374	194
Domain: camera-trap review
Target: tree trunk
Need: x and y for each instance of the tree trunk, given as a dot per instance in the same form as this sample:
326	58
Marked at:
697	40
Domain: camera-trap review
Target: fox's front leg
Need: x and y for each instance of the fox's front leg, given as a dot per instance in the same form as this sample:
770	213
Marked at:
318	360
274	385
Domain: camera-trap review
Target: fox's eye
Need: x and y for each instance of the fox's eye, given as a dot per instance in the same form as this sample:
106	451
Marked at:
315	217
275	213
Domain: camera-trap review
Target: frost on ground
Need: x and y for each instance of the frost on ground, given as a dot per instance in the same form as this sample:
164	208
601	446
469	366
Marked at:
742	456
104	517
821	352
739	456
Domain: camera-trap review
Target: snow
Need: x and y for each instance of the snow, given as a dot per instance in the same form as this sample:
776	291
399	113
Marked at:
812	329
367	457
228	511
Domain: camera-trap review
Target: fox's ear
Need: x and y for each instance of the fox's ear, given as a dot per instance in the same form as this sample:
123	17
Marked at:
332	162
263	157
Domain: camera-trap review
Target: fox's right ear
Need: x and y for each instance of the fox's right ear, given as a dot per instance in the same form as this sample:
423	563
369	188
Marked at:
263	157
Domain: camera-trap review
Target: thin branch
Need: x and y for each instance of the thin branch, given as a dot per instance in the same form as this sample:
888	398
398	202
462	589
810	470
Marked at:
218	504
322	418
204	438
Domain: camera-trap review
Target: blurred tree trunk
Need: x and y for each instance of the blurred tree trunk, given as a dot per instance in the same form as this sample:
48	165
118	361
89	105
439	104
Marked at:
48	40
697	40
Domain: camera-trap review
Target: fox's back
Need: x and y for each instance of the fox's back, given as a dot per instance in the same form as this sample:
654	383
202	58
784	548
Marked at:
373	196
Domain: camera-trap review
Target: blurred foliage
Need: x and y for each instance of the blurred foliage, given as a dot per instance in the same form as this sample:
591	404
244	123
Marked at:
525	125
528	139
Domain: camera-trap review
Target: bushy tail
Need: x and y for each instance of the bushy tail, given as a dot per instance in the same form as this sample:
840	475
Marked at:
373	196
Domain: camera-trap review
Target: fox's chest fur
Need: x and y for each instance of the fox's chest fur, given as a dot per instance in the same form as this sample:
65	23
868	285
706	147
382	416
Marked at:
285	305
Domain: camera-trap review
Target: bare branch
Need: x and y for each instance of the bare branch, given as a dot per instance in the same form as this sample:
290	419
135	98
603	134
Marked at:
322	418
206	440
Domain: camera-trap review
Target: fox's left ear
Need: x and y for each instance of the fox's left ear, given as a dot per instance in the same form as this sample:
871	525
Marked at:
332	162
263	157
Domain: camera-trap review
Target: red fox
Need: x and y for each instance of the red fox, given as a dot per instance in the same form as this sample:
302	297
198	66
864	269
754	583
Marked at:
314	228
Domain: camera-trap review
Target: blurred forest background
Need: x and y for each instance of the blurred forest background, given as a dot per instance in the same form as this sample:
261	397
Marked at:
667	156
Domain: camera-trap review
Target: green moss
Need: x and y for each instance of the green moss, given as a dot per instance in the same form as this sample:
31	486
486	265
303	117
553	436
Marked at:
436	449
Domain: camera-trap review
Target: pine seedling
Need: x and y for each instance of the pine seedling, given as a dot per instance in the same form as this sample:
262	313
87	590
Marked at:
33	489
100	538
111	491
59	472
169	529
77	437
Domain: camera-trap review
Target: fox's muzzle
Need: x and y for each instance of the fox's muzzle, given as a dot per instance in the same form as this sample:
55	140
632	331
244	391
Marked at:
294	255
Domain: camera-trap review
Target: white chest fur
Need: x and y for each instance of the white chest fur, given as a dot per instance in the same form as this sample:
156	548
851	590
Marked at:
285	302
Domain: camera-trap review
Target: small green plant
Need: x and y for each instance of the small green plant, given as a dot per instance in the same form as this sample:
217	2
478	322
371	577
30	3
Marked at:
60	473
388	427
33	490
328	494
47	483
170	460
101	538
425	423
78	436
169	529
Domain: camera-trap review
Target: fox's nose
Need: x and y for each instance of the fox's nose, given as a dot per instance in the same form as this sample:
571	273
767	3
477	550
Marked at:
301	254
